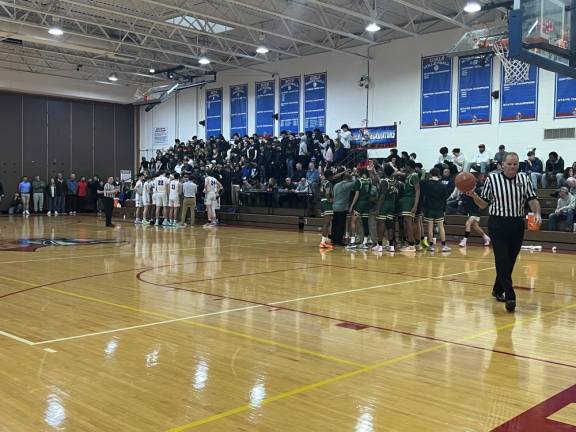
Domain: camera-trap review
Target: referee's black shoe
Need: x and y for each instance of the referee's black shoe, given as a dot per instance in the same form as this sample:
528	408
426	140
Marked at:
498	297
510	305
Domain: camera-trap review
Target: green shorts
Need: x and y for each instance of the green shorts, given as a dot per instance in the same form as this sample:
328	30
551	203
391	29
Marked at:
362	209
326	208
406	205
436	216
387	211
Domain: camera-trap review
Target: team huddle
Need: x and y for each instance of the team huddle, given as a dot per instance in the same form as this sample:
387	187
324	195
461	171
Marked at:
161	200
409	197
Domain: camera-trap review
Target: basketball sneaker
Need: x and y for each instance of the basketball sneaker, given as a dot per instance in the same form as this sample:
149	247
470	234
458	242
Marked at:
363	246
407	248
462	243
425	244
351	246
418	248
391	249
486	241
377	248
446	248
431	248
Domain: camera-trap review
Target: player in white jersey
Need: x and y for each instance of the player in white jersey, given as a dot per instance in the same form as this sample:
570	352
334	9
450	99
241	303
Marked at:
138	198
160	196
212	188
174	200
147	200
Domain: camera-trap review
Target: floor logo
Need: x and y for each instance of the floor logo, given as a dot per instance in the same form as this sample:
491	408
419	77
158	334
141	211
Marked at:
31	245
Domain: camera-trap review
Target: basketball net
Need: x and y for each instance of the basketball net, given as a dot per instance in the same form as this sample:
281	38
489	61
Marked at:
515	71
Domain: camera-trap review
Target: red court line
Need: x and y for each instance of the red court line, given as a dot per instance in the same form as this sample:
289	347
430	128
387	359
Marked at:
349	322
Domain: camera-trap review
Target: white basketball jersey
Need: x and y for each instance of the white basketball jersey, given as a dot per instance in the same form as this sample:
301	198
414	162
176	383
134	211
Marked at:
160	184
139	189
210	184
174	185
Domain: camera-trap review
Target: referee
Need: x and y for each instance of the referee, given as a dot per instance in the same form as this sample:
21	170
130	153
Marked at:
109	192
506	193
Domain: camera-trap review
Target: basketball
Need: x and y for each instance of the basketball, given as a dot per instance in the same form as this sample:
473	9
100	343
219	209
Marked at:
465	182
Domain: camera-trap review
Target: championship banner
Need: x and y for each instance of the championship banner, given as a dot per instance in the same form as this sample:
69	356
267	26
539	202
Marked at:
315	102
474	89
265	104
374	138
519	101
239	110
213	112
290	104
436	92
565	97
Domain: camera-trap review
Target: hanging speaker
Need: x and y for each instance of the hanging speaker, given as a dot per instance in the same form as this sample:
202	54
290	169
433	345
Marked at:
496	94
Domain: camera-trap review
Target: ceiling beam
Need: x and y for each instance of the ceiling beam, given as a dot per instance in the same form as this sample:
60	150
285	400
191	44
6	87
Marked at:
433	13
299	21
365	18
235	24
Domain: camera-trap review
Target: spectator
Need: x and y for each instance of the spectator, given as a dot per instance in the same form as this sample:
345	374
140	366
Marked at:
554	170
143	166
61	191
568	172
345	137
52	195
15	205
533	167
499	157
458	159
312	175
298	173
72	191
303	186
82	194
564	210
481	163
24	189
444	156
38	188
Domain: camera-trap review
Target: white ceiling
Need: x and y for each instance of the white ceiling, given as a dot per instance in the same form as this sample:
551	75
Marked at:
129	36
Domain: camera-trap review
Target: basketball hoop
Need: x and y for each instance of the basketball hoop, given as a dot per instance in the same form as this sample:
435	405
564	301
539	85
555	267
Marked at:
515	71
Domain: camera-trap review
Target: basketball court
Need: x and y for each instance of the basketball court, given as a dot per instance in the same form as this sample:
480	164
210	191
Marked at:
242	328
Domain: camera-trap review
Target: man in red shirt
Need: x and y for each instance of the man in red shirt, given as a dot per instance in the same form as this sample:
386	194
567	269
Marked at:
82	193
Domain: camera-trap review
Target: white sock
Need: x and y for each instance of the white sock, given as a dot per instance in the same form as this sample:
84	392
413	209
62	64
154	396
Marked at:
352	239
323	239
365	240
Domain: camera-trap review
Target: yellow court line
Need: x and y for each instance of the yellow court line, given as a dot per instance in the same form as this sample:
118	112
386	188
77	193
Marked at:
201	325
216	328
341	377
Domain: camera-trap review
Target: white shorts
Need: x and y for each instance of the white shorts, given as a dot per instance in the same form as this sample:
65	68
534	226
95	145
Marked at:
210	198
139	202
160	199
146	201
174	202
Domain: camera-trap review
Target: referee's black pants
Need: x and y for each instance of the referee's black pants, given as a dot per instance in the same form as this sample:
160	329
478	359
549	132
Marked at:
108	207
507	234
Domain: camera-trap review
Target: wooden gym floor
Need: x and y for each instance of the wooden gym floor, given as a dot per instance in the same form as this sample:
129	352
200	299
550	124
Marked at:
239	329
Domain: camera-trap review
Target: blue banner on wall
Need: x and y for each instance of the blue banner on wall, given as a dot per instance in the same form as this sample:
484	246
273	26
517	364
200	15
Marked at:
290	104
315	102
474	89
265	105
213	112
239	110
374	137
565	106
436	95
519	101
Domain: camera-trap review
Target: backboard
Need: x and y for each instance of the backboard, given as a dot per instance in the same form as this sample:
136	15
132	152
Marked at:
541	32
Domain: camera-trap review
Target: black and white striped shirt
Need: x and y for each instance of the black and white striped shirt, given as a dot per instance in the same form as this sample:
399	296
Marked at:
507	196
109	191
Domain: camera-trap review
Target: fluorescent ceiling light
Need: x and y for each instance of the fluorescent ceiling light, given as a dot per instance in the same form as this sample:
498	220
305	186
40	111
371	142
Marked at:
373	27
472	6
113	77
55	31
262	50
152	70
172	88
204	61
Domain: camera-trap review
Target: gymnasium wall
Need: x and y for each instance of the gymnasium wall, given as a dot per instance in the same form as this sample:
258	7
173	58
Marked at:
393	96
42	136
